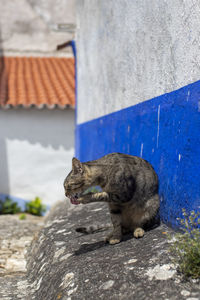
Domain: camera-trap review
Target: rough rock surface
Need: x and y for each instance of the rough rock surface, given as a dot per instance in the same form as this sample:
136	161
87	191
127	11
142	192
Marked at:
15	237
64	264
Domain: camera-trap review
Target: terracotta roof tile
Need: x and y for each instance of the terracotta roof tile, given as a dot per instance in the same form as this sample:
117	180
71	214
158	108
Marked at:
37	81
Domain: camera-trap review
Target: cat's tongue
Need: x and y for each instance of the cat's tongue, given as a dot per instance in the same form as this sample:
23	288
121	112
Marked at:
74	200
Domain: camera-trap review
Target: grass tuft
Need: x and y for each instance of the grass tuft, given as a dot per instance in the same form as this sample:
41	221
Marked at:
185	246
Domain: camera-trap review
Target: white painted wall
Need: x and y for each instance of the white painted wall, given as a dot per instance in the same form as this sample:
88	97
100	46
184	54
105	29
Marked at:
131	51
36	148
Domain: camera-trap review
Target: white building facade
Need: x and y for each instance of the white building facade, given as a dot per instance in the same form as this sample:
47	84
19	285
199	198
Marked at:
36	149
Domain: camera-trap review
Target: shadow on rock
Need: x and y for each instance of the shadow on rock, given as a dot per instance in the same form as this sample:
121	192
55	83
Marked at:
85	248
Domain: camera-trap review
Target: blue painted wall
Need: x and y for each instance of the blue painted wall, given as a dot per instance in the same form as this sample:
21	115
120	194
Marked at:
166	132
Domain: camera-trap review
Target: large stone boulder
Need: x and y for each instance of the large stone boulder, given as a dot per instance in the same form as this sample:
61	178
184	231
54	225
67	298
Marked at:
64	264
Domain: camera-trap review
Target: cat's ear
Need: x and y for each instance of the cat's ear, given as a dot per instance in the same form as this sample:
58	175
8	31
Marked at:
77	166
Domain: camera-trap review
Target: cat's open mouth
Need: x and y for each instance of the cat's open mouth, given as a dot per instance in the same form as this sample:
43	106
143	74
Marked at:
74	198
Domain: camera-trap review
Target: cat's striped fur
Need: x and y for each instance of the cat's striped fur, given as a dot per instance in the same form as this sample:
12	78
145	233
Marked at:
129	186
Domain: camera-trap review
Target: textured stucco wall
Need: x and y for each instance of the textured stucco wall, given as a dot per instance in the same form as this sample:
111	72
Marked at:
36	148
131	51
30	27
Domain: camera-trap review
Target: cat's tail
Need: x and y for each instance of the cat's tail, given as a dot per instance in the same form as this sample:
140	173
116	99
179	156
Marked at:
93	228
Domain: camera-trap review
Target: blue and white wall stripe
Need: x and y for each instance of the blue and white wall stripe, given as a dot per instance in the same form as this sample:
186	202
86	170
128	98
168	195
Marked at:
166	132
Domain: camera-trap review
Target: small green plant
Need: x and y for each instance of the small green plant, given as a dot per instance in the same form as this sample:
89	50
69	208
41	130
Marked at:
186	247
8	206
22	217
35	207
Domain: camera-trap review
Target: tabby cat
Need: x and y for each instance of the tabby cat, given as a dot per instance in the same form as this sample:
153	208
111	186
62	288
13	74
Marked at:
129	186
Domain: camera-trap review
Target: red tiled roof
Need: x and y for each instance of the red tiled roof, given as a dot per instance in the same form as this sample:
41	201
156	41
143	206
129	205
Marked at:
37	81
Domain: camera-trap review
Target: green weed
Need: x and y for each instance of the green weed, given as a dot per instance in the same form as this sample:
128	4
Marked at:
186	247
8	206
22	217
35	207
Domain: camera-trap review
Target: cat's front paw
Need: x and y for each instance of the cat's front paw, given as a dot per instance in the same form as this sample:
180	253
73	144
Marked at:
112	240
84	199
138	233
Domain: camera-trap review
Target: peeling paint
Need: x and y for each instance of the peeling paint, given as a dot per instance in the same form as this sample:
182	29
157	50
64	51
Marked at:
188	95
199	106
141	150
158	128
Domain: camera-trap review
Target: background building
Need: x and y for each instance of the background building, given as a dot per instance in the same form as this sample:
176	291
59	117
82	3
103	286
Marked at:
37	98
139	90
